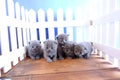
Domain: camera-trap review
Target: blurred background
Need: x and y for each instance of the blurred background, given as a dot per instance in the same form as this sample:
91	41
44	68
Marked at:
54	4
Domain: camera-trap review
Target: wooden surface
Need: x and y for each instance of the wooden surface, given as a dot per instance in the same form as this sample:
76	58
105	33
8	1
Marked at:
94	68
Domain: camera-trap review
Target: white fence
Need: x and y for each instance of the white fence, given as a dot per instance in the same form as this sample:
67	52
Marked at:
107	30
18	26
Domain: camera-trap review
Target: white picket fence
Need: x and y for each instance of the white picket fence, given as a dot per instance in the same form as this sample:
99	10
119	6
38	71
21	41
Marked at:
18	26
107	30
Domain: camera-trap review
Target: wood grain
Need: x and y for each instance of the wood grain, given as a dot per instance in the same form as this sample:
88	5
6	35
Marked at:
94	68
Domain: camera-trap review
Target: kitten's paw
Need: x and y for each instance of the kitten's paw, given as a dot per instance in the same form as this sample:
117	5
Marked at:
54	59
61	58
37	57
86	56
80	56
49	60
33	58
70	58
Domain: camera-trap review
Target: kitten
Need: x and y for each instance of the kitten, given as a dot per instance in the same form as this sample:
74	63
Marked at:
61	38
34	50
50	50
68	48
83	49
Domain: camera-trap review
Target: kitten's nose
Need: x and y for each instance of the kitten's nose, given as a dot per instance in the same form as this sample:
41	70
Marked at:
64	41
36	50
49	50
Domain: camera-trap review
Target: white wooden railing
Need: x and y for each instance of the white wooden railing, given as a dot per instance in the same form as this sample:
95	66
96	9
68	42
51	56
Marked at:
107	30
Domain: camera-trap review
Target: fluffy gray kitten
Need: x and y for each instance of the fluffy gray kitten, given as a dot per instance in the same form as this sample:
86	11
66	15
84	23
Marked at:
50	50
61	38
83	49
34	50
68	48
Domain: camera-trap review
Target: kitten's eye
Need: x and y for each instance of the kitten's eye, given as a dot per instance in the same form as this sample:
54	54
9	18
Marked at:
46	47
80	52
51	47
36	46
75	51
85	49
32	46
66	39
66	50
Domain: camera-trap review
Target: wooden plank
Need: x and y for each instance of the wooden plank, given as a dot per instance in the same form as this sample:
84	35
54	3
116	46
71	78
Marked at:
67	69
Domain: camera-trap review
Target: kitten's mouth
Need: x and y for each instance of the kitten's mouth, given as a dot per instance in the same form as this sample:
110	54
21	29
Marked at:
36	50
49	51
51	57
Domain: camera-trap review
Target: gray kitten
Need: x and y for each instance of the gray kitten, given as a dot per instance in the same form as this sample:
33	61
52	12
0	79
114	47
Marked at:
83	49
50	50
34	50
68	48
61	38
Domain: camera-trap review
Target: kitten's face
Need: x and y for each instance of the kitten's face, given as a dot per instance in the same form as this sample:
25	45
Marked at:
50	46
84	50
35	46
77	50
69	49
62	38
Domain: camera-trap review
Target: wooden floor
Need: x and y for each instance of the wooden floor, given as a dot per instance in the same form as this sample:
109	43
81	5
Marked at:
94	68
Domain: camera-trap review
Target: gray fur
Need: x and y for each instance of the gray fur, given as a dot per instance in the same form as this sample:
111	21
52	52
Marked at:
34	50
83	49
50	50
61	38
68	48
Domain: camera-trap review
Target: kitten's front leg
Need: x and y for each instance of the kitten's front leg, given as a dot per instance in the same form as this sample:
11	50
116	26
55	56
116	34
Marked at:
32	57
37	57
80	56
55	58
48	59
87	56
60	56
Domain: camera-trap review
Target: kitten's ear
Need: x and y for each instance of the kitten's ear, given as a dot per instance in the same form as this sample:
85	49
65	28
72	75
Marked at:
67	34
40	42
91	43
56	38
63	46
29	42
55	42
73	45
44	42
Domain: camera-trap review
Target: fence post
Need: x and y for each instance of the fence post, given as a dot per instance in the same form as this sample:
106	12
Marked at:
2	15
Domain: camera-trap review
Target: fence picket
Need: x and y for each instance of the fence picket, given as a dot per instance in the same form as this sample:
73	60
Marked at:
32	15
11	8
50	15
17	9
23	13
59	14
41	16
